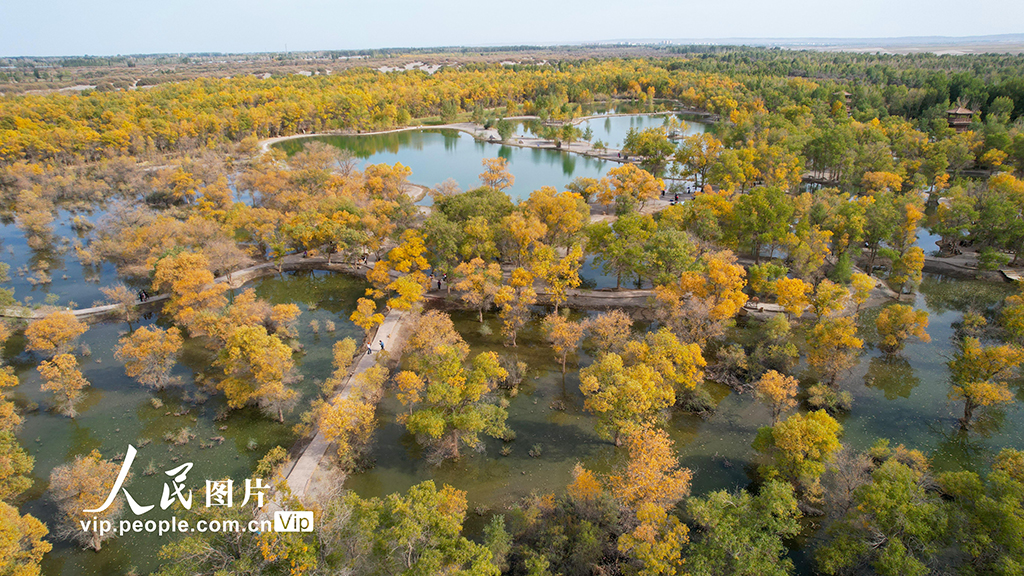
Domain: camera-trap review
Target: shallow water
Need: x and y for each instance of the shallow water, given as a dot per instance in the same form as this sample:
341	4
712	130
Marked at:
901	398
72	283
117	411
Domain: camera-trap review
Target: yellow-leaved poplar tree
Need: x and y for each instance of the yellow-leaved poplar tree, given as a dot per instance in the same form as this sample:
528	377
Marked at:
698	306
652	474
186	276
258	368
54	334
978	376
478	283
609	331
84	485
791	294
862	286
21	542
514	300
62	377
366	316
149	354
564	335
898	323
778	392
832	347
800	447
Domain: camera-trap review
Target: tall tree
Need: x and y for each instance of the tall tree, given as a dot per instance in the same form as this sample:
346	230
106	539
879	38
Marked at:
622	396
15	467
186	276
62	377
898	323
514	300
978	373
762	219
448	403
651	145
895	524
478	282
55	334
21	542
258	368
84	485
609	331
696	155
698	305
778	391
631	188
743	534
564	335
496	174
560	274
800	446
833	347
564	214
149	355
366	316
652	474
621	246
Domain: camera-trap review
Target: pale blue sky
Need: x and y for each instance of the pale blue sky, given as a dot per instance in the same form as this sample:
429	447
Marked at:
103	27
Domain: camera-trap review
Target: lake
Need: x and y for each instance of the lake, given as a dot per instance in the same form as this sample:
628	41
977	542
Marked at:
434	155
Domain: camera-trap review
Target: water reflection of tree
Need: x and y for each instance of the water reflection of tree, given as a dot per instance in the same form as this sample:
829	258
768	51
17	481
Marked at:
568	164
46	257
942	294
958	449
893	375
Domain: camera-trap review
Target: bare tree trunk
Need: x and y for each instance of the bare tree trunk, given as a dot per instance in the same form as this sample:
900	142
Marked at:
965	423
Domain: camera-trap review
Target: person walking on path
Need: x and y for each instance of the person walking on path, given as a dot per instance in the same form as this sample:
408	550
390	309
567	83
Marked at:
381	345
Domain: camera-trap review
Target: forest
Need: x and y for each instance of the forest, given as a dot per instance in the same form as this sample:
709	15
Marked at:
794	254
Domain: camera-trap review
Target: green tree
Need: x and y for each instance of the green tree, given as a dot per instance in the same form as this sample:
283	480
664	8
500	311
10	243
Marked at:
620	246
651	145
696	156
800	446
415	533
15	467
978	373
987	515
449	403
742	534
895	525
762	219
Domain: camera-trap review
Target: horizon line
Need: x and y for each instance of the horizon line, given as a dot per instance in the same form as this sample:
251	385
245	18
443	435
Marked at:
739	41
